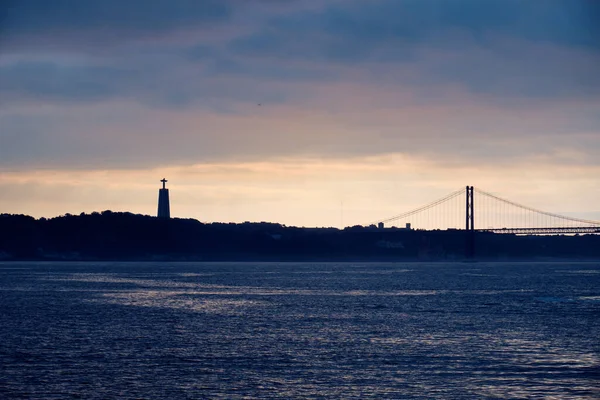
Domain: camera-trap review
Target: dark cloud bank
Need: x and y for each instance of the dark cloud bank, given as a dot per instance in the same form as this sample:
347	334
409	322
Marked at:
69	52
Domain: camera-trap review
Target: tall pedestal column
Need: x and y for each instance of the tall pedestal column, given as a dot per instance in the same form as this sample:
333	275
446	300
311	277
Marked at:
164	210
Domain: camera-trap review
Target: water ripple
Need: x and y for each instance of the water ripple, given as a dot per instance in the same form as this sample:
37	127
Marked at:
331	331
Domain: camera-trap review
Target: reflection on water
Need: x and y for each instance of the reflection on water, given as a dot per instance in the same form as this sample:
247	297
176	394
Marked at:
583	271
175	300
166	330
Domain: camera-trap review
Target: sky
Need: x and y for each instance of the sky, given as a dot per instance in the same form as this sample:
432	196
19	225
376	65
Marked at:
302	112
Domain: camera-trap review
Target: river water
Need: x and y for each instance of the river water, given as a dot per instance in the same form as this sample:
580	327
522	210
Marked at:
299	330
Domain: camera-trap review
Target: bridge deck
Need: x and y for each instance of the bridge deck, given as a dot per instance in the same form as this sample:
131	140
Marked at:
544	231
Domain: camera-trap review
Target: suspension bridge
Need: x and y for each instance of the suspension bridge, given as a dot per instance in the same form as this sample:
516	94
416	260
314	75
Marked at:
474	210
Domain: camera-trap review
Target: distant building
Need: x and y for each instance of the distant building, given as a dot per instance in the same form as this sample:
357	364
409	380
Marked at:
164	210
407	227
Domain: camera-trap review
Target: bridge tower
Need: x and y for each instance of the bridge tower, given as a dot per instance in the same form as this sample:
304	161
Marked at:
469	223
163	201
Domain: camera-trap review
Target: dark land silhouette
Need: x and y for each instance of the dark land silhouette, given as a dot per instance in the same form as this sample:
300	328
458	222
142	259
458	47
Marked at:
126	236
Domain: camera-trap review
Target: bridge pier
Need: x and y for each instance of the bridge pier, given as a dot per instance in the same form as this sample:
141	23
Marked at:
469	224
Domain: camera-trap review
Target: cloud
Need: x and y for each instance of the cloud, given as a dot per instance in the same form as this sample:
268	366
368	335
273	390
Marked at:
501	49
509	47
107	21
462	82
341	120
517	72
358	30
373	23
45	81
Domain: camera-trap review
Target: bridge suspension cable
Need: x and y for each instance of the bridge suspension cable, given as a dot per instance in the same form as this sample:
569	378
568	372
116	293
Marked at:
520	219
531	209
452	195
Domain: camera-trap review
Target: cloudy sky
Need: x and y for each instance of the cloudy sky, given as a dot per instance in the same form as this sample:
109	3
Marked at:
304	112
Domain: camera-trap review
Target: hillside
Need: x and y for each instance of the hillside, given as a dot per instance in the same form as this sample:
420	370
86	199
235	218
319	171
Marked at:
125	236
